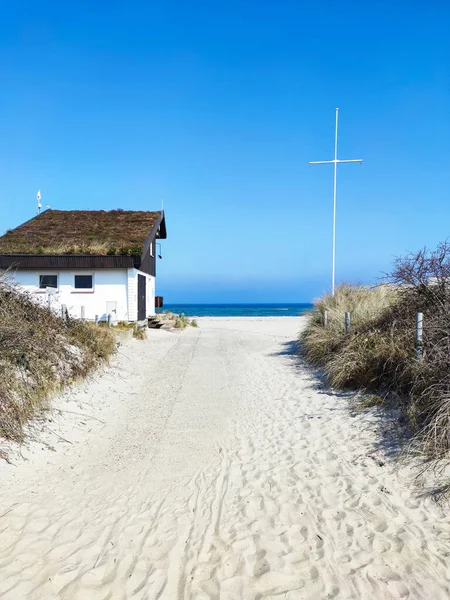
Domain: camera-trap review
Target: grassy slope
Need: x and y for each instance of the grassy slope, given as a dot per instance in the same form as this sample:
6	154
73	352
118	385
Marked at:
379	353
39	353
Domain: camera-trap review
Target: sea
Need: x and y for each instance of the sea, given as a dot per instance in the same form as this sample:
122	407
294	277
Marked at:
238	310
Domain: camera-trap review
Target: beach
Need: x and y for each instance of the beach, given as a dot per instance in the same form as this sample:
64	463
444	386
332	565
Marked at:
213	464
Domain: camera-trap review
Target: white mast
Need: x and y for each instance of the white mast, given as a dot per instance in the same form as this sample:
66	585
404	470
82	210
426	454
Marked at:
39	205
335	162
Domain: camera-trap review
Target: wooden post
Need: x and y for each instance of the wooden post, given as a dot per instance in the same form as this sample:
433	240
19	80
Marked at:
83	313
109	320
96	320
63	312
347	322
325	318
419	334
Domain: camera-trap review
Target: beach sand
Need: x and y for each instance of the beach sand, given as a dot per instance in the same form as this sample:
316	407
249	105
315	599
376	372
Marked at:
211	464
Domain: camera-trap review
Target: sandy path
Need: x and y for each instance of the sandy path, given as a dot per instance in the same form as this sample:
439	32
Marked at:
211	465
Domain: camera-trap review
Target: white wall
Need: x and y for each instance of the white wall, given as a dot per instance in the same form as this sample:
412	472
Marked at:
111	286
150	296
132	293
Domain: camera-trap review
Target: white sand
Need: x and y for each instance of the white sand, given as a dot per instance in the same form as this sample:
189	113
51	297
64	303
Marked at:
211	465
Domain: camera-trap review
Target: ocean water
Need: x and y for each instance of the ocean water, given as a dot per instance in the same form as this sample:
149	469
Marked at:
238	310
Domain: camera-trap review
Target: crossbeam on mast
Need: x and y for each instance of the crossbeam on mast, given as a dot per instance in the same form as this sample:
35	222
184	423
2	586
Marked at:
335	163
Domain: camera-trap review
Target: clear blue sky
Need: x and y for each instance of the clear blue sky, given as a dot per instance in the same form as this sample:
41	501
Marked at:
217	107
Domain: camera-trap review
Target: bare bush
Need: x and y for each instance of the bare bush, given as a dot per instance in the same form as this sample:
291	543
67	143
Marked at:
424	279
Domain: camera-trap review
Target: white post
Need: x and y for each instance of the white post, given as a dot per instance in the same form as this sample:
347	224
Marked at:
334	205
419	334
96	320
347	322
325	318
83	313
335	163
109	320
63	312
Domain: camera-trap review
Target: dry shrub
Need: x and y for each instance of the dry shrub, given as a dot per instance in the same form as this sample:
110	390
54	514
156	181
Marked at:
380	355
365	305
39	354
425	281
140	333
121	325
181	321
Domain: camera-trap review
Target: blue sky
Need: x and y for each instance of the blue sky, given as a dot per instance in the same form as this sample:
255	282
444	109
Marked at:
217	108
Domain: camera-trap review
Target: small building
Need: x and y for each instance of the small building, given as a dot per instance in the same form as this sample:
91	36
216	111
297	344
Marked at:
94	262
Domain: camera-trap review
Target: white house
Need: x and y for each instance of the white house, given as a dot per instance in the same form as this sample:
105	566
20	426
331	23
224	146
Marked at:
94	262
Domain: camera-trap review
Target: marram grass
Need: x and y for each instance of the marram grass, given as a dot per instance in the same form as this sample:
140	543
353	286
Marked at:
40	354
379	355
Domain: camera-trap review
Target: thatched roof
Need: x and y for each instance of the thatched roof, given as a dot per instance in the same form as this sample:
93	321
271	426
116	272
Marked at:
84	232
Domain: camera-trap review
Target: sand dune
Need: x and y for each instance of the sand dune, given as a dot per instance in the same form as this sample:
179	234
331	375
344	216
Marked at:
212	465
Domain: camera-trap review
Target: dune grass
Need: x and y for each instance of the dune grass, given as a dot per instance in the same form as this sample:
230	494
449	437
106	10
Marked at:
365	305
179	321
379	353
140	333
39	354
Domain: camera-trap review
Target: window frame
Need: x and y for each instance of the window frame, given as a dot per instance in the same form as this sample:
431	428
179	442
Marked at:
43	290
76	290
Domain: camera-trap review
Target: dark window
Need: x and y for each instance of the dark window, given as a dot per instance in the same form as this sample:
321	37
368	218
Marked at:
46	281
83	282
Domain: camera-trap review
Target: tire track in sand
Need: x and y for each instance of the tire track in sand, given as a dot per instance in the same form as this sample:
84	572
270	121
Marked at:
258	485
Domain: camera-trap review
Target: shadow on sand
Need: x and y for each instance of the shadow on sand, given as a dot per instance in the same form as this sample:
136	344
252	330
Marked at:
394	439
393	436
